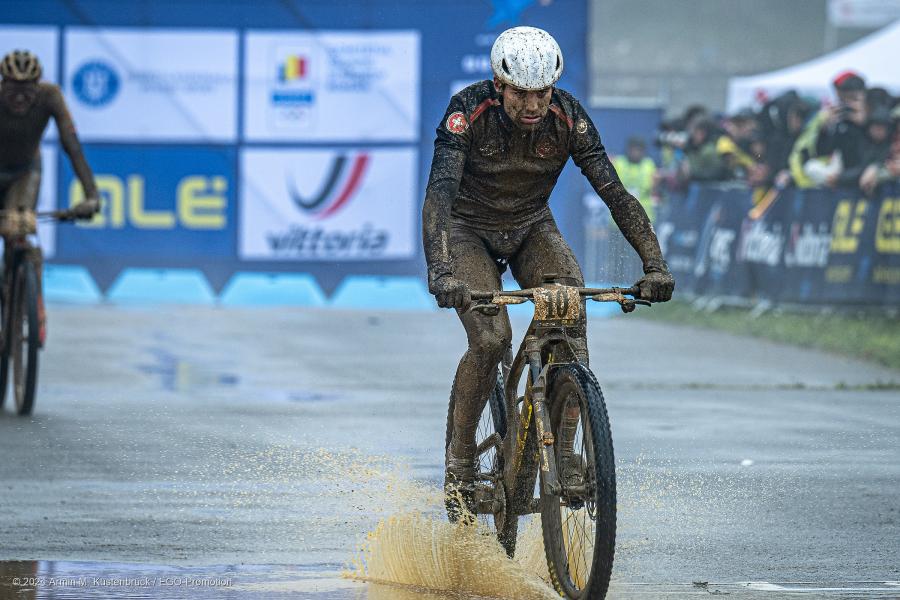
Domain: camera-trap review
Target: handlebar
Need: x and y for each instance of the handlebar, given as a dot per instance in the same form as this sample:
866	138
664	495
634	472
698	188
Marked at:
490	302
528	293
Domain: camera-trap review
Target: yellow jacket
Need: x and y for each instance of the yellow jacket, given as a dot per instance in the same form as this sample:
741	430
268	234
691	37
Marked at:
638	179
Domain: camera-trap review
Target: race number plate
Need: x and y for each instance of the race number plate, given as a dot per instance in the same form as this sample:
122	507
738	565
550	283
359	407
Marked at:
560	305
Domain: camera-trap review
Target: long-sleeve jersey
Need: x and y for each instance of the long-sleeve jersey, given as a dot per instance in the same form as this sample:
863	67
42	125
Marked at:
491	174
20	135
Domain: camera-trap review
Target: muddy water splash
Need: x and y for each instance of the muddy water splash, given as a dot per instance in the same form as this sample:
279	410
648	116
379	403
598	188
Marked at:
424	552
417	548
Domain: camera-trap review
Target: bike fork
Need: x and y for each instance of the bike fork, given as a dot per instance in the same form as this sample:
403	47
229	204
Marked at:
550	476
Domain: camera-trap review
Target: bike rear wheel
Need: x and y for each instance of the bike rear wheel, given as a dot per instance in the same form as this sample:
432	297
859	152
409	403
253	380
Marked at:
579	523
22	338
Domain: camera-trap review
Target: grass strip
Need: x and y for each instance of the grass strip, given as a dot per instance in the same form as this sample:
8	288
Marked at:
871	336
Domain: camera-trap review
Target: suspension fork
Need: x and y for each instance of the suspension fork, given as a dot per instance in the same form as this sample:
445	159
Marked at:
545	440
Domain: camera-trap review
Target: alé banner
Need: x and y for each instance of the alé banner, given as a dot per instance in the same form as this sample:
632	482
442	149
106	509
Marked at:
162	203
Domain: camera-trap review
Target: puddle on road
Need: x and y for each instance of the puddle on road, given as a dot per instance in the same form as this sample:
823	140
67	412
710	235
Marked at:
411	551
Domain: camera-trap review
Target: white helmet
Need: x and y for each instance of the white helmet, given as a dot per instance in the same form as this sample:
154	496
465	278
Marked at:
527	58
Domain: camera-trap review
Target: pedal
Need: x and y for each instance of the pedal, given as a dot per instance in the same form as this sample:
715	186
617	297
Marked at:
492	441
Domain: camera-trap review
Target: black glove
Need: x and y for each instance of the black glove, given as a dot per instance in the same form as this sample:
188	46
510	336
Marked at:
450	292
86	209
657	286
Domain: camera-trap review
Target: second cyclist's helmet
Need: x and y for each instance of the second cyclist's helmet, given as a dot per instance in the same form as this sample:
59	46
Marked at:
21	65
527	58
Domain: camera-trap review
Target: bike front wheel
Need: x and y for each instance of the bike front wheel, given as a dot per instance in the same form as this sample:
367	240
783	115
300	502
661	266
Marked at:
23	337
579	523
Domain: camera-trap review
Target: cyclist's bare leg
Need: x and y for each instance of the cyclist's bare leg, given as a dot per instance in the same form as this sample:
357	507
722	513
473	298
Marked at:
488	338
23	193
545	251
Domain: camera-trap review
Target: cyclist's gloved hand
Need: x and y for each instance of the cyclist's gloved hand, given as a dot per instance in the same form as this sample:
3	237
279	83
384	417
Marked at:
86	209
450	292
657	286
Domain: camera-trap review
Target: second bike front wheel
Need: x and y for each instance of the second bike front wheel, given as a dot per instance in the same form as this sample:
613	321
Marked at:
4	340
579	523
23	337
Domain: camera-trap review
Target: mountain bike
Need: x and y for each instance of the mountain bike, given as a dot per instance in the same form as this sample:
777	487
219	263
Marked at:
559	429
19	326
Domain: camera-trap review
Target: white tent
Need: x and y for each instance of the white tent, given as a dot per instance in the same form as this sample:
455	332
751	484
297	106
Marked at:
874	57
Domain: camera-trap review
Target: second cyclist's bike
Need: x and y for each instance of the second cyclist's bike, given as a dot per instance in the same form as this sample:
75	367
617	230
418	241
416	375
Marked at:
19	319
554	440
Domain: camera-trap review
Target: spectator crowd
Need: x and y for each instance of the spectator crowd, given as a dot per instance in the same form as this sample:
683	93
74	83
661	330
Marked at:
790	141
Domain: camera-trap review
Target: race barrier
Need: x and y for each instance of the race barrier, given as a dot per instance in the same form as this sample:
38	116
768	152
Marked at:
825	247
67	284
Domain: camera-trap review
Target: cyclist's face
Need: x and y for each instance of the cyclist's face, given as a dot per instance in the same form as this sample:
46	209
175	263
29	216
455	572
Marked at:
18	96
525	108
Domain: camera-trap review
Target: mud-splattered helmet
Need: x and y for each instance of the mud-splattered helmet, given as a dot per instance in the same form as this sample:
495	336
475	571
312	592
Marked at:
21	65
527	58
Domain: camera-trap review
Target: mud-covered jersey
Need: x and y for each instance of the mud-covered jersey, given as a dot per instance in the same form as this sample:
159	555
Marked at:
20	135
490	174
506	173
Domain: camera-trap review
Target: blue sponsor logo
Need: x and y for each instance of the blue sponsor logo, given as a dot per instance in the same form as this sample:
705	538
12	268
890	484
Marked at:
95	83
282	98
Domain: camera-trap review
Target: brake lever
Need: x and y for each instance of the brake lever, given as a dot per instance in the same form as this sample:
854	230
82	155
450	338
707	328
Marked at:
489	310
628	304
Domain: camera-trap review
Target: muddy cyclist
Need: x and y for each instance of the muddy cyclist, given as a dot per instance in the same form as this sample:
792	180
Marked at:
498	153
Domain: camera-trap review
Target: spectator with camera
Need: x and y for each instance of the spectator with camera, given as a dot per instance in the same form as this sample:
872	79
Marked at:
844	130
834	138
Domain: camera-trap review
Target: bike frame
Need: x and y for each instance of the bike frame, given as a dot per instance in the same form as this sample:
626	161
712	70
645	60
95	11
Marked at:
556	308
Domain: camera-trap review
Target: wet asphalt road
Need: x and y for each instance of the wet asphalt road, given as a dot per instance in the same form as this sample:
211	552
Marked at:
236	444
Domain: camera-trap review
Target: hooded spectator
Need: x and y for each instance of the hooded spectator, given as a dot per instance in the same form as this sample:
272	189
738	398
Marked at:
785	119
702	162
879	136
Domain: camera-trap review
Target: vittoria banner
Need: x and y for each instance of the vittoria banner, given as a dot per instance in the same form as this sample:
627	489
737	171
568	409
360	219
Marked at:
336	204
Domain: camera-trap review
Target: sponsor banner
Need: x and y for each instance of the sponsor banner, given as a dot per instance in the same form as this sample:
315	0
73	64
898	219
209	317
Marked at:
816	246
41	41
863	13
679	231
152	84
159	203
718	268
331	86
328	205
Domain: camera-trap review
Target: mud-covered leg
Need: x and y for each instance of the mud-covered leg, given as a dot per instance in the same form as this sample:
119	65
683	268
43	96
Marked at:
488	339
23	195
